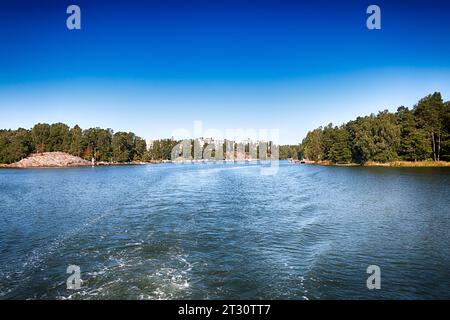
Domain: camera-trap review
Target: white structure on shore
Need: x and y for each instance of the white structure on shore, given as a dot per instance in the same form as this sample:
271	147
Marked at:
149	143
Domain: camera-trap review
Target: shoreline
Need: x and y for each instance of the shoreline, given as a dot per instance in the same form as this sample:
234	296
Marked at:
370	164
119	164
409	164
10	166
391	164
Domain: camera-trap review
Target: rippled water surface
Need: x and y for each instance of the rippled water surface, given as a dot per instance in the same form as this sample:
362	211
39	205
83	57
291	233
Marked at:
210	231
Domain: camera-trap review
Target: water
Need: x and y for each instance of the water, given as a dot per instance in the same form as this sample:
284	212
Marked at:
210	231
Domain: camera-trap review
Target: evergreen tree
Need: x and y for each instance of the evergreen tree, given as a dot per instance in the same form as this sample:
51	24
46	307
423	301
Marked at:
340	151
59	138
445	144
328	139
98	142
414	144
313	146
15	145
430	115
41	134
140	153
123	146
76	141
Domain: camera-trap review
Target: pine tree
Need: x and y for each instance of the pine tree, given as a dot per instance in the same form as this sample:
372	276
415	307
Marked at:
340	151
430	115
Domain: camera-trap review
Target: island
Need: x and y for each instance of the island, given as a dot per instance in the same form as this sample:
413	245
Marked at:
410	137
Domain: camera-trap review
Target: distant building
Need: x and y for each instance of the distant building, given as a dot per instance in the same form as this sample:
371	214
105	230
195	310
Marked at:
149	143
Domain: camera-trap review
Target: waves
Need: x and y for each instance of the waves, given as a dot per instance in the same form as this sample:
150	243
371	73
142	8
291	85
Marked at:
222	232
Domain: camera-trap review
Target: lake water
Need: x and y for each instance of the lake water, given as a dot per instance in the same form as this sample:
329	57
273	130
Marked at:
221	231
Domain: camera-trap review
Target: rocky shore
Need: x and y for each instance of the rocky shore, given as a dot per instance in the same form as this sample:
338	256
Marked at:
50	160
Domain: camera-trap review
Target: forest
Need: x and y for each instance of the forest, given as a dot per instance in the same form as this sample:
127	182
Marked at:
100	144
418	134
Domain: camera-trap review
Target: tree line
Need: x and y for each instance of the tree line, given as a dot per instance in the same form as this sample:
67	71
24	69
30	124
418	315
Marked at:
420	133
290	152
417	134
100	144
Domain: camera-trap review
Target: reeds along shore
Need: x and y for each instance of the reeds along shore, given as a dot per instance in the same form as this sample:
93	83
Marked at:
398	164
412	164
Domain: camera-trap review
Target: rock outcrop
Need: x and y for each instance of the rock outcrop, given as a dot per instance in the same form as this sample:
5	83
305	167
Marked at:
51	160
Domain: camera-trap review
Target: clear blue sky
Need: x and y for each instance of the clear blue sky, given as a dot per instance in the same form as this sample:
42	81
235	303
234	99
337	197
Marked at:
157	66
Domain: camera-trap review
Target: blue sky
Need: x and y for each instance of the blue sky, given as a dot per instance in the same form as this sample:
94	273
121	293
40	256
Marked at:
154	67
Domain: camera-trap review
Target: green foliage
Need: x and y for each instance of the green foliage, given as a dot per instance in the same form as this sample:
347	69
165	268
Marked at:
328	141
445	151
414	144
40	134
77	145
15	145
430	114
162	149
290	152
98	142
340	150
419	134
59	138
95	142
412	135
123	147
312	145
378	137
140	150
126	147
